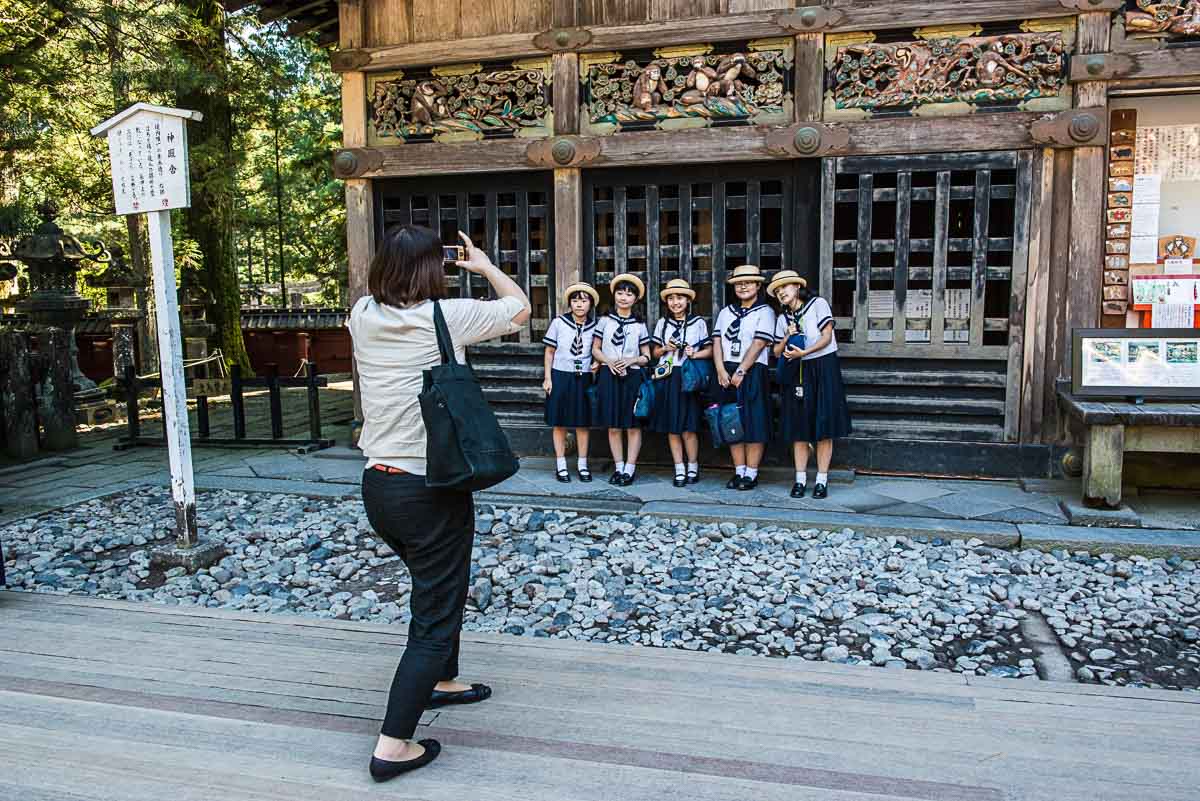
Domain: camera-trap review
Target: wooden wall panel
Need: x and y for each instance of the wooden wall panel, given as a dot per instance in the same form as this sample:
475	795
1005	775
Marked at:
747	6
436	20
387	22
612	12
682	9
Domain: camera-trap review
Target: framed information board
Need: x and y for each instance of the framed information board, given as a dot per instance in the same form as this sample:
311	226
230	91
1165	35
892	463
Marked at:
1135	362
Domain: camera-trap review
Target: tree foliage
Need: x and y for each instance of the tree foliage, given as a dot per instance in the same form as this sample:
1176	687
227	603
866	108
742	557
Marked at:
62	70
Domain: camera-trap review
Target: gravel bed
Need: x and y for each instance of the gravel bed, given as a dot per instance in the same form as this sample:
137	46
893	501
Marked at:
746	589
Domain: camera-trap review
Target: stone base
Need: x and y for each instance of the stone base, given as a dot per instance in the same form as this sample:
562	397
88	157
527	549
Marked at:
1080	515
204	553
91	414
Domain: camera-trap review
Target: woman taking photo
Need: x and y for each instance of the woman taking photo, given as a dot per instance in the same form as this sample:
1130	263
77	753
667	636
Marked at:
432	530
820	413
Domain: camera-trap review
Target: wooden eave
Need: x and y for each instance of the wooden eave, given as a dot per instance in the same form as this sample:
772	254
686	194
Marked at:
301	16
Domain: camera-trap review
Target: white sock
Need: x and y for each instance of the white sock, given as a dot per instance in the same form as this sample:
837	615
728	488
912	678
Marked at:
694	468
741	470
822	478
630	467
679	468
752	472
561	463
801	477
620	468
583	463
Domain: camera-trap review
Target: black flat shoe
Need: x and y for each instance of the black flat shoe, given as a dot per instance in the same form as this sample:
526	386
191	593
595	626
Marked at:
563	476
585	476
798	490
819	491
382	769
625	481
747	484
734	482
693	478
680	481
615	478
477	693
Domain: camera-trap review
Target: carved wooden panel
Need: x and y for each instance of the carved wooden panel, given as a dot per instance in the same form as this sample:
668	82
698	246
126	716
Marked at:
1168	19
687	87
462	102
508	216
949	70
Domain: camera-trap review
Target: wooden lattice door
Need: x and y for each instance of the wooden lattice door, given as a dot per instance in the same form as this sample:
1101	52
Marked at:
923	259
509	216
697	223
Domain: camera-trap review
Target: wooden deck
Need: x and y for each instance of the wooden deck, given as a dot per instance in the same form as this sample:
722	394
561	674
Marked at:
105	700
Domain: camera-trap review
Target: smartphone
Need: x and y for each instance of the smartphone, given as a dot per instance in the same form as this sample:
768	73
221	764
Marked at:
453	253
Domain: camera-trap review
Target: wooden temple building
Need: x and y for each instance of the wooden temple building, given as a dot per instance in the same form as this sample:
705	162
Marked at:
954	176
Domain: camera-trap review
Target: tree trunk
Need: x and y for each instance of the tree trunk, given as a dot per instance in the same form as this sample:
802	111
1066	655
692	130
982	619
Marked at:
210	220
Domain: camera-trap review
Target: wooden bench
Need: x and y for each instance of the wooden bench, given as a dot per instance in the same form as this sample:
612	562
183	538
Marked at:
1114	428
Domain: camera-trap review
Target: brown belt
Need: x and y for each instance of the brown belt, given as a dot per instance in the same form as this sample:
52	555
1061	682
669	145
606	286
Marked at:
383	468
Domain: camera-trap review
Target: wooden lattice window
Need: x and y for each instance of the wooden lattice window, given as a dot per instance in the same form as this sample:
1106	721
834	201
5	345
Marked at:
922	256
508	216
695	223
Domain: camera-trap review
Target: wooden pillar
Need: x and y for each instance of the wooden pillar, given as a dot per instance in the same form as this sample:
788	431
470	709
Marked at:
1103	459
360	193
1037	284
566	93
568	229
1085	263
808	93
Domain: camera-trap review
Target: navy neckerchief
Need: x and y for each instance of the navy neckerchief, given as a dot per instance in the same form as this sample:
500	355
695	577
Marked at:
577	343
734	329
797	317
618	337
679	327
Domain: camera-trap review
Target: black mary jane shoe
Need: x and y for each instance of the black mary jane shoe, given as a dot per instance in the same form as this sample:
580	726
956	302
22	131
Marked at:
585	476
680	481
615	478
799	489
382	769
563	476
747	484
820	491
693	478
734	482
626	480
477	693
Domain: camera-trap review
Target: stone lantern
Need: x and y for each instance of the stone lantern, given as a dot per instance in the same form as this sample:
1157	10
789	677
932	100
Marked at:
121	284
52	259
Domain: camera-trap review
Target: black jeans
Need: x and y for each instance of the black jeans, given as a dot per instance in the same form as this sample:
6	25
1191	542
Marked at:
433	531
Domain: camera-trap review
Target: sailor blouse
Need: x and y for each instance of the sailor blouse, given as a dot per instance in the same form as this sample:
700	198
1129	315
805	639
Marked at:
738	328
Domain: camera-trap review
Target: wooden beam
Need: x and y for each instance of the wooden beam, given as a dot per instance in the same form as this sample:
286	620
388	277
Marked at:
566	93
897	135
286	10
855	15
308	24
568	230
1147	64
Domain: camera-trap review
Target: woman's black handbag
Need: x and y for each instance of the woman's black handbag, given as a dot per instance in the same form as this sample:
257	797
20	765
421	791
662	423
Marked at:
465	447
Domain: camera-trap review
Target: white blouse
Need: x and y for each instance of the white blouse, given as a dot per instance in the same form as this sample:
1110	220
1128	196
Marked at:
738	328
572	344
814	315
621	337
692	331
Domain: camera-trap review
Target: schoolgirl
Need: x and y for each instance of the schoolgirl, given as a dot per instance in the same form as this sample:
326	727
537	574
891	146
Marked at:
743	331
678	337
621	346
821	414
568	373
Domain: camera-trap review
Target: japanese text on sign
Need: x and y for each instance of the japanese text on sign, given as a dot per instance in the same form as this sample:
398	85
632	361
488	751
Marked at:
149	163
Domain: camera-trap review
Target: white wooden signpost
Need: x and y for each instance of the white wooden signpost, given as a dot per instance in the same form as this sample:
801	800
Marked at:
148	148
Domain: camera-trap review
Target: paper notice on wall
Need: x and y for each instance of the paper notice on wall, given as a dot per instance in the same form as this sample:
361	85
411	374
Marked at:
1172	151
1178	266
1171	315
918	304
1147	189
1145	220
958	304
879	335
881	303
916	335
1143	250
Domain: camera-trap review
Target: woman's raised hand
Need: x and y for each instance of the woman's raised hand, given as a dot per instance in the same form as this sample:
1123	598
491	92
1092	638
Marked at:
477	261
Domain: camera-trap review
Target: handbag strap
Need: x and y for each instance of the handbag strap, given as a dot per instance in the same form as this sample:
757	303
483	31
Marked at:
445	343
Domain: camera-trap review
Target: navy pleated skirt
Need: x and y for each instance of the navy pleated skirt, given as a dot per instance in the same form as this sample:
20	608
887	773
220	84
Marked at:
754	397
617	396
823	412
567	405
675	411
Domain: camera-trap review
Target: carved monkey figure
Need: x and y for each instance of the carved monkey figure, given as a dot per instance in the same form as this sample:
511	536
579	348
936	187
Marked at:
702	83
731	70
429	103
992	69
649	88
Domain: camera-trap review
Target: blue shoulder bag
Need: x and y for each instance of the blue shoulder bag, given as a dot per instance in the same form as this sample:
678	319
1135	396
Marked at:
644	407
695	376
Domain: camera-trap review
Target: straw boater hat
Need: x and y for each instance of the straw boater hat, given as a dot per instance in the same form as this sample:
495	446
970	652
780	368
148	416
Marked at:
631	278
746	272
783	278
677	286
587	289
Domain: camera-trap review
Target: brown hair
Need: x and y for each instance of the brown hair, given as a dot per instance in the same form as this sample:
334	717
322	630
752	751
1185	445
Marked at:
407	268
